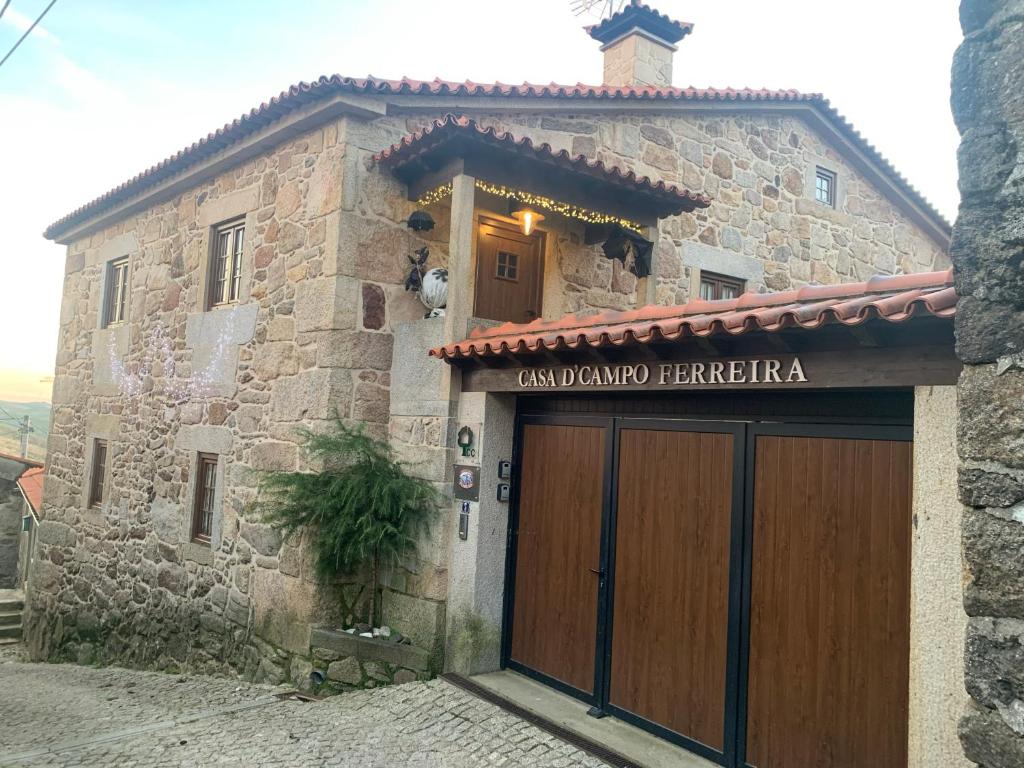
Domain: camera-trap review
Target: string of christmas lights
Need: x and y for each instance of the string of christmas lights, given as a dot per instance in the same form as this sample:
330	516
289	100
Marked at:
534	201
177	389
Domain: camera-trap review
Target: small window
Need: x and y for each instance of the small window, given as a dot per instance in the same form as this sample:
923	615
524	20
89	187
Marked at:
206	491
116	299
714	287
226	264
97	491
825	187
508	266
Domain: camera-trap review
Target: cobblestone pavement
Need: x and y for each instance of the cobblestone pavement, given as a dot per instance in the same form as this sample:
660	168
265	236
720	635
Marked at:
66	715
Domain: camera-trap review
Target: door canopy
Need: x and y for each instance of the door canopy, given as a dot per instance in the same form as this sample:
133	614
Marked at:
528	173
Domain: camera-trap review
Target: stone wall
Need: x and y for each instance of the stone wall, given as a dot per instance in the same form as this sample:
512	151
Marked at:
311	335
988	248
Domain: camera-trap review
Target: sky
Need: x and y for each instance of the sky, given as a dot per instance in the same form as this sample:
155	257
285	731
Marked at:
103	89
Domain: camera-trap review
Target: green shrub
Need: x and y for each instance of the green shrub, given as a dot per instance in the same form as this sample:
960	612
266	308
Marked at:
363	507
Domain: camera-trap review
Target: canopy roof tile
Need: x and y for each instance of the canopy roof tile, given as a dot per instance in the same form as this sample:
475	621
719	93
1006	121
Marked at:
891	299
444	136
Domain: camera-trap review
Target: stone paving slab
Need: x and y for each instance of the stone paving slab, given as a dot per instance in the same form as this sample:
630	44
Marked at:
66	715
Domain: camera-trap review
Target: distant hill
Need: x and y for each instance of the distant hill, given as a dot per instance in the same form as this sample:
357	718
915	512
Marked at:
10	414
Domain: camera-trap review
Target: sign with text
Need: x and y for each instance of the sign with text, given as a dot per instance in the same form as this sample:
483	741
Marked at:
859	367
668	374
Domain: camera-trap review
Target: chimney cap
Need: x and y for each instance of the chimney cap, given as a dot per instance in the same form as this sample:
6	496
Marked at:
637	16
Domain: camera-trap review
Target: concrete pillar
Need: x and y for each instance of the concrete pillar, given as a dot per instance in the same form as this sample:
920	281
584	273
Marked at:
937	618
461	279
476	585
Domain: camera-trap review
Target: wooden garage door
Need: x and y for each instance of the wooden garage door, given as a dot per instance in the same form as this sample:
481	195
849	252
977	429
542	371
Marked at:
830	593
558	546
671	584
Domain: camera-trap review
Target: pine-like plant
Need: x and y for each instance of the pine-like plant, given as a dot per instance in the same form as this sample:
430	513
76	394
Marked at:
363	507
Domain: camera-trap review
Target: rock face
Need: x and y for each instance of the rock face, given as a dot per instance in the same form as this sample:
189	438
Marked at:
987	252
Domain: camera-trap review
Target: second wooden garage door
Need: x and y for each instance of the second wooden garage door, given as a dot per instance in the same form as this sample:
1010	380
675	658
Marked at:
828	680
671	584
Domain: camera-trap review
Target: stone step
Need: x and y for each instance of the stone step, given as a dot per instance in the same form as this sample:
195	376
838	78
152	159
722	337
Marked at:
13	632
9	641
10	618
11	606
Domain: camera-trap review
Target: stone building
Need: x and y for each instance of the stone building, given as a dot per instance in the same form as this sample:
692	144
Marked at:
254	283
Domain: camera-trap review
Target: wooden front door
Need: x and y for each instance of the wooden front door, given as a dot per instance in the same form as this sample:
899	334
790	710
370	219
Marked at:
509	273
828	673
558	556
742	589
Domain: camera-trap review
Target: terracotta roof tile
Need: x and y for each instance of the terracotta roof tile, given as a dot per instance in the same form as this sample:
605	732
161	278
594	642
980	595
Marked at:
31	484
451	126
893	299
303	93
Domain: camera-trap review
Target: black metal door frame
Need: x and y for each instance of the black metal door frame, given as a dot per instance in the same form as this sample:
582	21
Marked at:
741	545
900	433
508	610
738	432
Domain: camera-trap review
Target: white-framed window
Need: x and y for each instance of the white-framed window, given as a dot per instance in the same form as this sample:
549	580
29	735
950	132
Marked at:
226	263
825	186
115	299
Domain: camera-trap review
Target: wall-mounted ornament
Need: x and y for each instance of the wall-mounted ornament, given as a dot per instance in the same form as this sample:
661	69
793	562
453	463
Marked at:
434	291
420	221
465	441
630	248
431	285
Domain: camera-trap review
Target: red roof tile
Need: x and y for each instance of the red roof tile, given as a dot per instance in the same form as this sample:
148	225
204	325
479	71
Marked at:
31	484
636	14
304	93
451	127
893	299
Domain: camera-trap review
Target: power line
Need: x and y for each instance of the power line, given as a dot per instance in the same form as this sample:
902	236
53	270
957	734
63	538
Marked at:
6	3
27	31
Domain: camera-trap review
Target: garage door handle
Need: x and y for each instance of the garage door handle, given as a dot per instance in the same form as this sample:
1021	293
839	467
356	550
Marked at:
598	572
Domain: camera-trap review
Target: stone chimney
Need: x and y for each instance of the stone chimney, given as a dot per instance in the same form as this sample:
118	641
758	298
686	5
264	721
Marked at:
638	43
